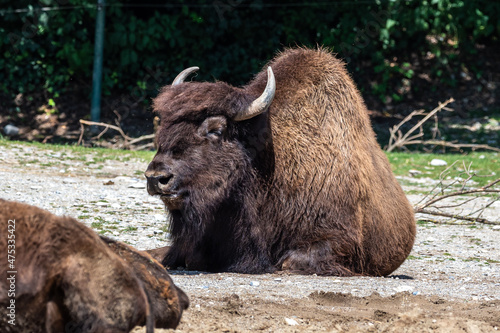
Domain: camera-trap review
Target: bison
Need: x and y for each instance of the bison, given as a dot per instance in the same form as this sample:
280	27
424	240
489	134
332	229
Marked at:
281	174
64	278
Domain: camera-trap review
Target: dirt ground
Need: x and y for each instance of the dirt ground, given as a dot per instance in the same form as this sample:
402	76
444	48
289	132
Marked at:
338	312
450	282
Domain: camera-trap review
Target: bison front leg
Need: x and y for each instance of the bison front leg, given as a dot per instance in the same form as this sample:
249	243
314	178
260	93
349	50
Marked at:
160	253
317	258
171	257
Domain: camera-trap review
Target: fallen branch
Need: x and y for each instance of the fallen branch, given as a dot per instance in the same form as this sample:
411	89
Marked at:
481	190
398	139
457	146
428	204
458	217
128	141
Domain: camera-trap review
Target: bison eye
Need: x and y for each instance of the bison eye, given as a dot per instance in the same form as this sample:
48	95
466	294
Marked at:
215	132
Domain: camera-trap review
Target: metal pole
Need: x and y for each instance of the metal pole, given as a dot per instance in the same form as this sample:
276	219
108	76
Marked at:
95	109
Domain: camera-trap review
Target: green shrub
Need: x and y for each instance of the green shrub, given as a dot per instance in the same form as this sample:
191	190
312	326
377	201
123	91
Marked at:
146	46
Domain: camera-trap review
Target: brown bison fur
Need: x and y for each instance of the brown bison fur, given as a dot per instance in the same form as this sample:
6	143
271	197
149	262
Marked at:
167	301
303	187
68	279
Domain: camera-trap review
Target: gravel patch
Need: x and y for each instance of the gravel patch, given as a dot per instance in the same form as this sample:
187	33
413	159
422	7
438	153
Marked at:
455	262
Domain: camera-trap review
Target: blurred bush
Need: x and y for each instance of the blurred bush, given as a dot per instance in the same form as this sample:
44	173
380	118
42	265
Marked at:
47	46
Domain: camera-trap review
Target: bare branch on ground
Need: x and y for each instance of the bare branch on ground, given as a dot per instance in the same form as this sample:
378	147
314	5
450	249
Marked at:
398	140
429	204
129	142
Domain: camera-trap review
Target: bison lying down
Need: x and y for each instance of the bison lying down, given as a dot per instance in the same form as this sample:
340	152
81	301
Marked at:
69	280
282	174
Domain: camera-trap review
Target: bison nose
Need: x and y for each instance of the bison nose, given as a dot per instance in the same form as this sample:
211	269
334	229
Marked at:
160	183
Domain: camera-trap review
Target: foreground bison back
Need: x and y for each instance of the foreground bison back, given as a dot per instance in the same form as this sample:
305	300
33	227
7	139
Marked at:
67	279
306	187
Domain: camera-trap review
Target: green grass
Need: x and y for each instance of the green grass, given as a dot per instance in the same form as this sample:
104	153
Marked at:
100	154
401	163
489	166
492	261
96	225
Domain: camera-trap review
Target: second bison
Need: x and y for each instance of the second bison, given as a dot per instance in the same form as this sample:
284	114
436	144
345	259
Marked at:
282	174
62	277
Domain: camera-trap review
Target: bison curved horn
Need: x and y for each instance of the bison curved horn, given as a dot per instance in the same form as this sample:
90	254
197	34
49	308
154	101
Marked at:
262	103
183	75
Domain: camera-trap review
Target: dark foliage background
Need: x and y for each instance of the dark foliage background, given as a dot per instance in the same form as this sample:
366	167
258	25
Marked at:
397	51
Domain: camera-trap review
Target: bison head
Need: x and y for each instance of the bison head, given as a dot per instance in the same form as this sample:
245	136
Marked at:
210	137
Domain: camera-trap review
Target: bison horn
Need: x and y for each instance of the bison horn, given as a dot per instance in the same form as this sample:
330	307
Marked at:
262	103
183	75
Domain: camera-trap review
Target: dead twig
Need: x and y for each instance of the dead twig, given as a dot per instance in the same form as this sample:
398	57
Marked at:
457	146
439	193
129	142
459	217
481	190
398	139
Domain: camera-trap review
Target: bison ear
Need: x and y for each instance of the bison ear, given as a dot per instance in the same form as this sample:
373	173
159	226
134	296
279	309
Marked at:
183	75
213	127
261	104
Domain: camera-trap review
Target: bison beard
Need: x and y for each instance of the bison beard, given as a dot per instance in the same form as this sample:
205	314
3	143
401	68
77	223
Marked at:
291	180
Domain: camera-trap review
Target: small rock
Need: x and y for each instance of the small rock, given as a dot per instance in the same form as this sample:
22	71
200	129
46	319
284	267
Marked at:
137	185
414	172
11	130
497	227
123	178
482	156
101	204
403	288
159	217
438	162
291	322
255	283
109	182
69	181
36	187
277	279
